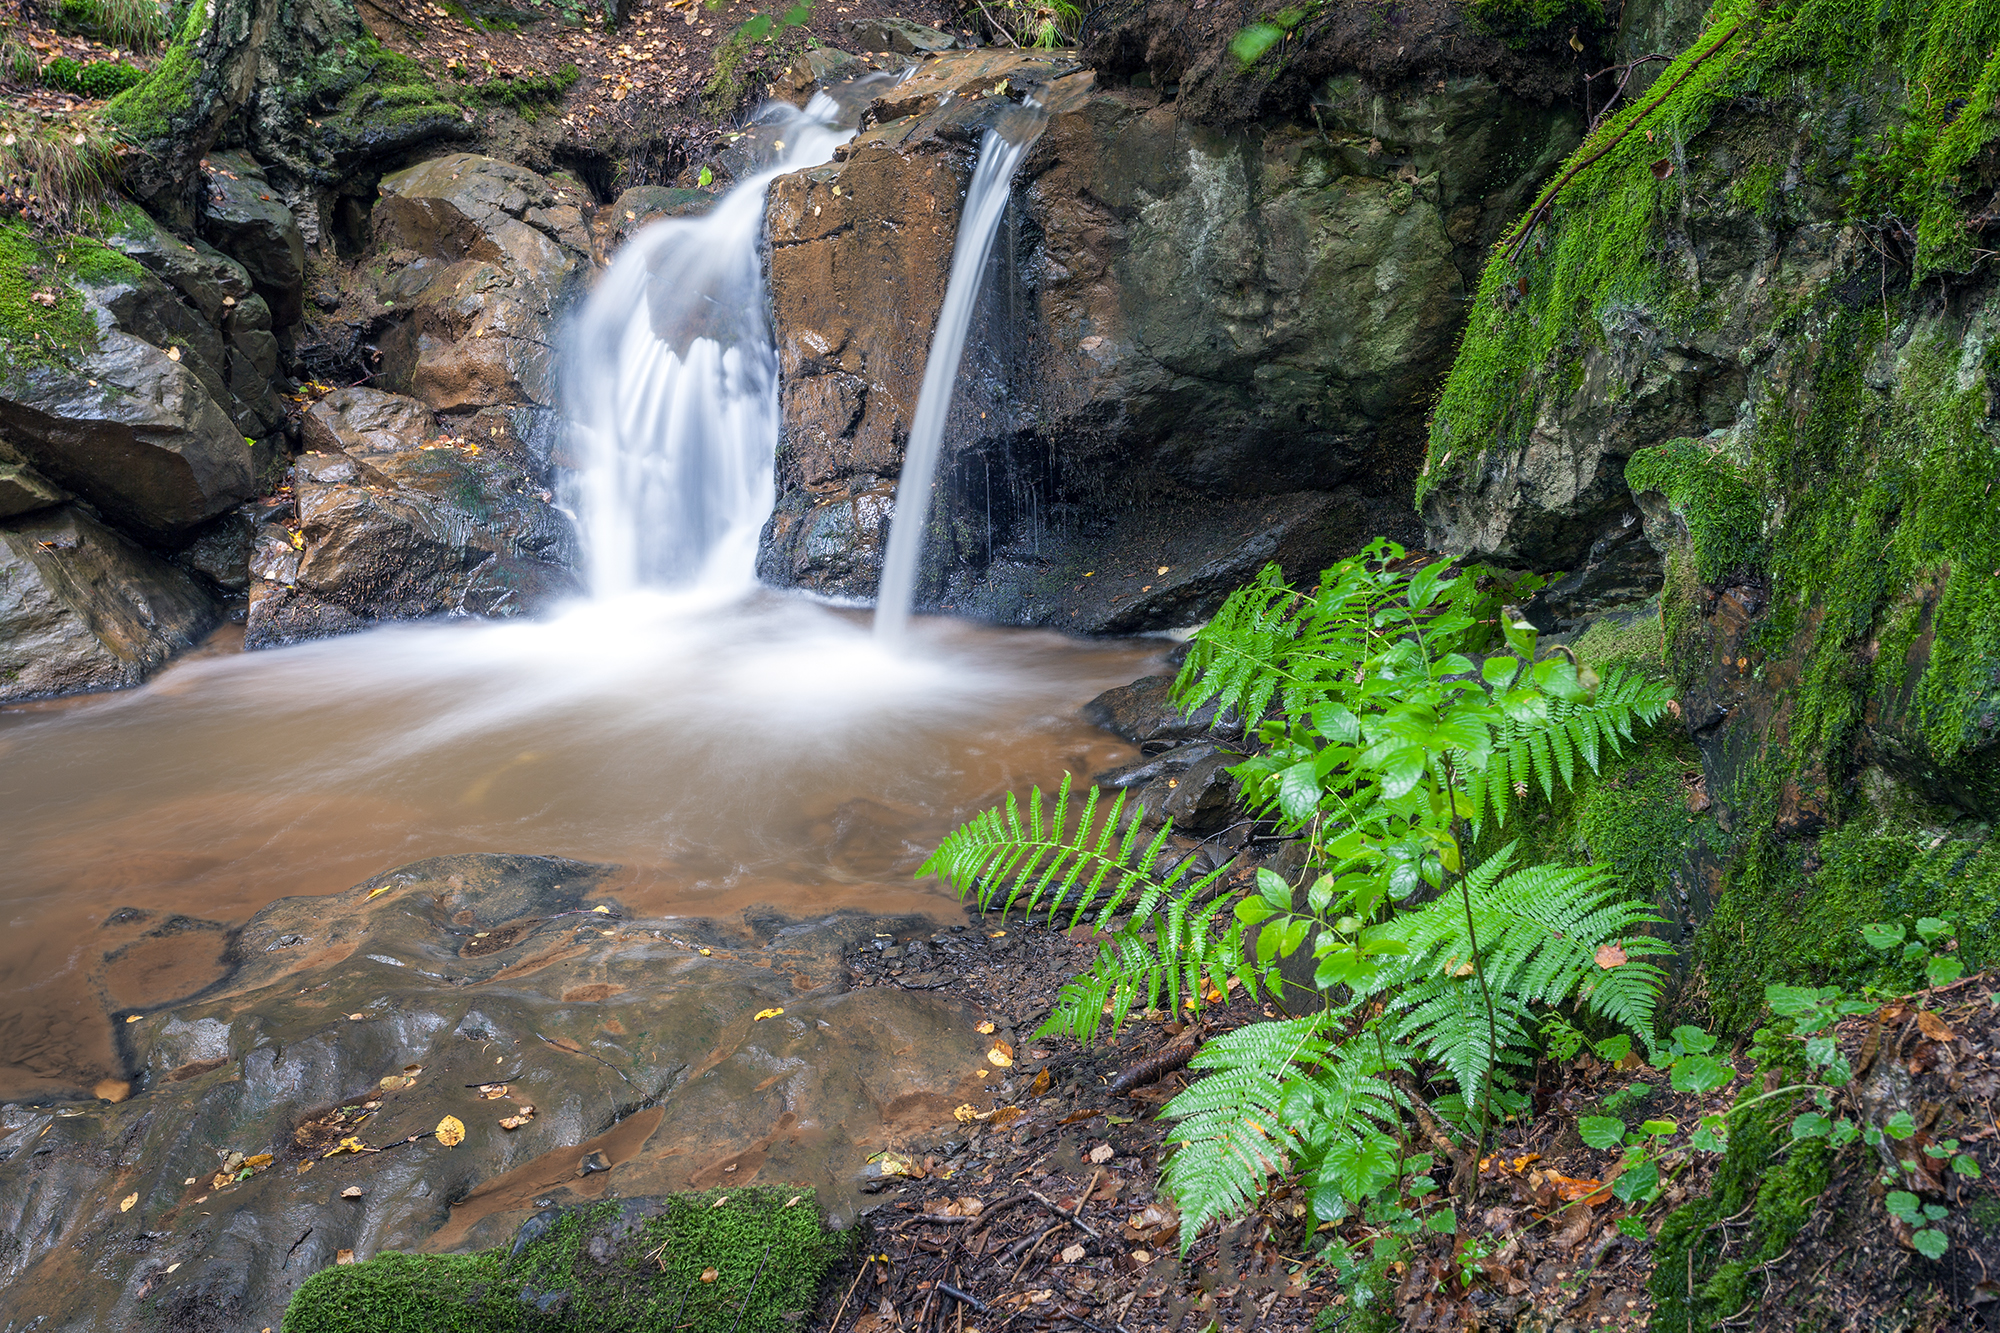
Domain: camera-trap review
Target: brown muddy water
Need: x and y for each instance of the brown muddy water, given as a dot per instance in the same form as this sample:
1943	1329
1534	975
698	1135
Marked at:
724	752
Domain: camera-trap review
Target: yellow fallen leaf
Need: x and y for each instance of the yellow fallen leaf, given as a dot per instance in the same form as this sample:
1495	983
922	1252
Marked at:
305	1166
964	1114
763	1014
601	909
125	1204
259	1162
985	1029
451	1131
1001	1056
373	894
173	354
132	1018
709	1275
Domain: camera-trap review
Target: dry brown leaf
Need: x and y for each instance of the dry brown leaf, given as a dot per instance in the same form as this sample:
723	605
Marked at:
344	1257
351	1192
1040	1085
1102	1153
1934	1027
709	1275
1073	1254
1610	956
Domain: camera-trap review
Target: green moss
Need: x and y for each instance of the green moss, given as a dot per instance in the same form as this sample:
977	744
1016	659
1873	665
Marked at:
1892	867
1634	641
99	78
1703	1272
1723	513
147	111
1605	246
766	1248
526	94
34	333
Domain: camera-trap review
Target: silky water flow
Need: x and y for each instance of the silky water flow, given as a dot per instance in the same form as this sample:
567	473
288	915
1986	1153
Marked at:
725	744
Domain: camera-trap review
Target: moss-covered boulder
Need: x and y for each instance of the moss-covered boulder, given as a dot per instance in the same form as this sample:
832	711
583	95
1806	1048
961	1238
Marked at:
722	1261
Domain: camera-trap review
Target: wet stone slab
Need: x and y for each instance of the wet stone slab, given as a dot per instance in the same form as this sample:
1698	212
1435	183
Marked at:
343	1030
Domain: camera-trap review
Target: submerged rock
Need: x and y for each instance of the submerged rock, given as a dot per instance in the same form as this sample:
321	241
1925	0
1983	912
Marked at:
1196	350
342	1030
83	608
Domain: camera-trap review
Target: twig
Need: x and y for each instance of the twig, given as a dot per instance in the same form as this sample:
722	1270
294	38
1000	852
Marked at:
962	1297
1031	1251
996	25
751	1290
857	1282
1541	208
1082	1226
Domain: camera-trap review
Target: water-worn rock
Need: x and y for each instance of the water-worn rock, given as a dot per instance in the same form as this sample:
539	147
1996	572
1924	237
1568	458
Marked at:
400	530
366	421
131	429
1195	349
687	1053
252	224
23	490
83	608
494	253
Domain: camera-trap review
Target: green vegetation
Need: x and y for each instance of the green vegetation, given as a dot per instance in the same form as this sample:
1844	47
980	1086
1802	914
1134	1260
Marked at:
98	78
54	170
1044	24
1603	246
139	25
1723	513
1410	718
739	56
146	111
526	95
43	320
750	1259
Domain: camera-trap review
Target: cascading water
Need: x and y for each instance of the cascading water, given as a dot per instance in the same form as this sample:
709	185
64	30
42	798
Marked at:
985	204
674	386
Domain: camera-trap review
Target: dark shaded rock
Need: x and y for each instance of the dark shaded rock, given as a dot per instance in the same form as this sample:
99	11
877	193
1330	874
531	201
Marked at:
361	421
23	490
625	1037
83	608
895	36
1621	569
1193	349
408	535
1143	713
221	552
250	223
134	432
1172	763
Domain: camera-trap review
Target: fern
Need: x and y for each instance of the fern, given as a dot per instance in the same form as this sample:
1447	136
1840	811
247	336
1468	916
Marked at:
1541	750
1085	865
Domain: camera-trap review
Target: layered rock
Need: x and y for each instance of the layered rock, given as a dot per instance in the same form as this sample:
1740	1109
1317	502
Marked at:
666	1055
83	608
1196	350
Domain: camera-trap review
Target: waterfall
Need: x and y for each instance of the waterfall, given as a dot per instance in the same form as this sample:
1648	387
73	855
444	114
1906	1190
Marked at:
985	203
673	386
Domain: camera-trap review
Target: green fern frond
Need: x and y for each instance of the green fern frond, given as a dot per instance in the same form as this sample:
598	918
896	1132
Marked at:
1546	750
1052	861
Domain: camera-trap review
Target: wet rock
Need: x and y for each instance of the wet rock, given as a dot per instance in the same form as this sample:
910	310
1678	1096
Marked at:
251	223
133	431
83	608
1170	764
362	421
1144	714
641	205
500	257
221	552
416	532
1621	569
666	1075
897	36
23	490
1195	350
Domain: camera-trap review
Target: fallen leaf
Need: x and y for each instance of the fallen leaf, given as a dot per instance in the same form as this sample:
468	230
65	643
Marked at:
173	354
125	1204
259	1162
1001	1056
763	1014
518	1119
451	1131
344	1257
985	1029
373	894
601	909
1934	1027
1610	956
1662	169
351	1192
1040	1085
964	1114
1102	1153
305	1166
356	1017
1073	1254
709	1275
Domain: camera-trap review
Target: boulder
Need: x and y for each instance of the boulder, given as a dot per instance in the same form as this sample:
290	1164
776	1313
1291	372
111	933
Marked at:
1194	350
893	36
483	256
250	222
404	531
471	987
23	490
362	421
83	608
133	430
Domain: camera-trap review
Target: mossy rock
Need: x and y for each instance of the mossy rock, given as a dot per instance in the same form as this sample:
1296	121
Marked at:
713	1262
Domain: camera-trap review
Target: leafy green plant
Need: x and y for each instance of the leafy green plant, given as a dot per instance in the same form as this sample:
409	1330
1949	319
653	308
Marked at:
138	25
1046	24
1397	714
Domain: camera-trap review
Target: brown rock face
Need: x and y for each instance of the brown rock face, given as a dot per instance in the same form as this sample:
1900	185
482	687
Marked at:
1194	350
